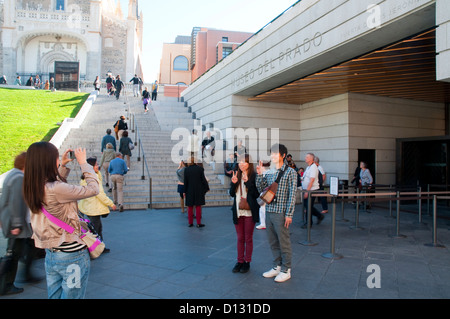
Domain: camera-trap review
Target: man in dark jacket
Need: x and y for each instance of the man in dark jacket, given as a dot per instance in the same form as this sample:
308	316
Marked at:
195	186
119	86
15	220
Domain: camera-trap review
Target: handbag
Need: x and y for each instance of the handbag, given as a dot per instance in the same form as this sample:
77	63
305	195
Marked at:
91	240
268	195
131	146
243	204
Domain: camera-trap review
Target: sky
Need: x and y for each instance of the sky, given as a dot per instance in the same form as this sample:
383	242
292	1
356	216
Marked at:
165	20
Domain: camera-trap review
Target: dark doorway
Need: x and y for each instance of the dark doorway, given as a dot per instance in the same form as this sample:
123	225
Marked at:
368	156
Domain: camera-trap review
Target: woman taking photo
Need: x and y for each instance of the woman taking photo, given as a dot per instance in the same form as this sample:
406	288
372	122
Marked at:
67	261
245	211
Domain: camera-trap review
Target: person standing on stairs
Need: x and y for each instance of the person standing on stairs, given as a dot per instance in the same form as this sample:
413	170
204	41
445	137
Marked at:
155	88
124	147
135	81
145	99
195	186
180	190
117	170
107	156
119	86
120	126
108	139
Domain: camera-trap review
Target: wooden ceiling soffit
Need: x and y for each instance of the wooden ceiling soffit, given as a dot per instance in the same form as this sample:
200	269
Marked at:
406	69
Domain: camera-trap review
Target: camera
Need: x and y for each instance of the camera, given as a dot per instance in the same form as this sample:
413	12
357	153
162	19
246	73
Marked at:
71	155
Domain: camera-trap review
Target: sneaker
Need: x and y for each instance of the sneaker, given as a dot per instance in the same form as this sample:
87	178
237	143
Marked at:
260	227
272	272
120	208
283	276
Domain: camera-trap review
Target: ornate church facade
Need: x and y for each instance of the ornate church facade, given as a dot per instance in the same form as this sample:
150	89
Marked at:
34	34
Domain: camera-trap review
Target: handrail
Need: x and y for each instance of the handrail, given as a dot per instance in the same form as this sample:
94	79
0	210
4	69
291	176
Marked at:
138	143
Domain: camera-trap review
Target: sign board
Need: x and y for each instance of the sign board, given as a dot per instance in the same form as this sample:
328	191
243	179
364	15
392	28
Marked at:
67	75
334	185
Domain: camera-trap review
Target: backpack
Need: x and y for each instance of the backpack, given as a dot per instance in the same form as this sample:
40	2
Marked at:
320	179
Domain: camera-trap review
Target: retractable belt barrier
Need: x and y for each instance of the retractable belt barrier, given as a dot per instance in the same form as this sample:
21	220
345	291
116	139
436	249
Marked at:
397	196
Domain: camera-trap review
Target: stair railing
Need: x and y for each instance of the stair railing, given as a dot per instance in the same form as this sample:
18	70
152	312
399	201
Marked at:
145	168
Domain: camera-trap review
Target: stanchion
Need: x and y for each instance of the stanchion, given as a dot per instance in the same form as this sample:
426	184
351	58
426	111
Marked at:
390	204
343	219
308	241
397	234
434	243
332	253
356	226
419	203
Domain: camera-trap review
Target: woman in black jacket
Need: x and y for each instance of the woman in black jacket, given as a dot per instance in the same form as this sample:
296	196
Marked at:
195	187
245	211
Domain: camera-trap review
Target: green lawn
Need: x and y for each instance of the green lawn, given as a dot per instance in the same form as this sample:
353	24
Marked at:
29	116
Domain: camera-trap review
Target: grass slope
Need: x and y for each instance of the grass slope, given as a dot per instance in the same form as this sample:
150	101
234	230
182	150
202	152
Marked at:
29	116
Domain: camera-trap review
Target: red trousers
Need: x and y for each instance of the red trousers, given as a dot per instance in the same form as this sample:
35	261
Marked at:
198	214
244	231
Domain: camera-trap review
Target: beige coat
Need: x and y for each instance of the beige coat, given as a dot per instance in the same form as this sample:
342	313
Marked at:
97	205
61	201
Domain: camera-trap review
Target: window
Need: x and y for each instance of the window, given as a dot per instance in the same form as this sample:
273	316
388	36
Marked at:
226	52
180	63
224	39
60	5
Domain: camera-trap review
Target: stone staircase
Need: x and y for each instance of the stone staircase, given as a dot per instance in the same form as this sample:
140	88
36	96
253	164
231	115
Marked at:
154	130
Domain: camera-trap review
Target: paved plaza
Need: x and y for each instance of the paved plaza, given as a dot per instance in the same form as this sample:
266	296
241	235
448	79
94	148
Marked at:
154	255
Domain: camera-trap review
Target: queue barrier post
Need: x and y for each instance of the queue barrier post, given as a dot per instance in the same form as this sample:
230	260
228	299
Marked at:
356	226
434	242
343	219
397	228
308	241
332	253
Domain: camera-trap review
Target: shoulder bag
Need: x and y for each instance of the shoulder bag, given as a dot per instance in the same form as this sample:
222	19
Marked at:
91	240
268	195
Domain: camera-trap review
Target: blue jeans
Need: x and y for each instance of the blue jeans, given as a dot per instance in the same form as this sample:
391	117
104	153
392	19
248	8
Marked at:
67	274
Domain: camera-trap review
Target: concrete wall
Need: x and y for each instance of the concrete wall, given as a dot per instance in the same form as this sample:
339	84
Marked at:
335	128
376	122
443	40
167	74
324	131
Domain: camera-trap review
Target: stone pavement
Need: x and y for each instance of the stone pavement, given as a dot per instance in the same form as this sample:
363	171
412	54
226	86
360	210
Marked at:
154	255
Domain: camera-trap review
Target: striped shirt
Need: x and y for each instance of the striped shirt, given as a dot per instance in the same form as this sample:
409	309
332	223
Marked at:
287	188
70	247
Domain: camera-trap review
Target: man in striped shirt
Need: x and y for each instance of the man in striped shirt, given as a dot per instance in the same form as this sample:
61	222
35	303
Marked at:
279	212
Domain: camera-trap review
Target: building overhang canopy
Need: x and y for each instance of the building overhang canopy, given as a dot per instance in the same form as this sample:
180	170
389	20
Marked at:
406	69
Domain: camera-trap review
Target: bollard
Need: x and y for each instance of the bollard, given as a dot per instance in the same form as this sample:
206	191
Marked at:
397	234
332	253
356	226
434	243
308	241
